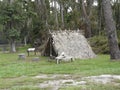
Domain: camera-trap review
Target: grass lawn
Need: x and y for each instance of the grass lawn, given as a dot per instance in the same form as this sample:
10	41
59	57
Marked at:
13	70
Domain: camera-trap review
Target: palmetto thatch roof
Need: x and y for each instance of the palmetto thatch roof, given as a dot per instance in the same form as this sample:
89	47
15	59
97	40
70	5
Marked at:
72	43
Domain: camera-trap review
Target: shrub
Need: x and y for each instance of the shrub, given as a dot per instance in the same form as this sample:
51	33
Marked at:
99	44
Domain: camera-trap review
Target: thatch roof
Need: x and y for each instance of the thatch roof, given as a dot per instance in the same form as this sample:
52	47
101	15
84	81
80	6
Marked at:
72	43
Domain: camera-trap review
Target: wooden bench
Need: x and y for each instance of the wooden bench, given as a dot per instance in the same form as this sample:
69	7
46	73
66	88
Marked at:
31	50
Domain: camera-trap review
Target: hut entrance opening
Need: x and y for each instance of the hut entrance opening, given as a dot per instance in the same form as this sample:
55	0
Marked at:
49	50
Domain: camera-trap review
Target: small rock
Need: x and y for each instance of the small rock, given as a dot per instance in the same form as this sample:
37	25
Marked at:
21	56
36	59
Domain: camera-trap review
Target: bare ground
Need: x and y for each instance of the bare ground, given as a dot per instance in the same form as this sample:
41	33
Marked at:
57	81
71	80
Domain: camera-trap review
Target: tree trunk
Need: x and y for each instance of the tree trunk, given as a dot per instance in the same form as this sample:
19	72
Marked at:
62	15
25	40
12	46
100	18
87	21
89	7
111	30
10	1
56	14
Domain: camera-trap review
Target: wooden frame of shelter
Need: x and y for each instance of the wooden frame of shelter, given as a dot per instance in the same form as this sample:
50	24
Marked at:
49	49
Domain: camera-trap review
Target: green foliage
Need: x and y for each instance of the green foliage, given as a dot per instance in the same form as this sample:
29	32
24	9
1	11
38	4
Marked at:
13	33
118	34
22	49
31	21
99	44
12	18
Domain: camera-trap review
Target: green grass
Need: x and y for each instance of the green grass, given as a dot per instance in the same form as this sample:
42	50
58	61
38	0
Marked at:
16	74
20	82
10	66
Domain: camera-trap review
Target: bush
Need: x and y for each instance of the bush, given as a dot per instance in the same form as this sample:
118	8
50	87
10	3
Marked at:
99	44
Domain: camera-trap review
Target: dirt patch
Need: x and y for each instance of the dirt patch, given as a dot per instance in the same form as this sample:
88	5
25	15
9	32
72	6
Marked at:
68	80
58	81
104	79
56	84
52	76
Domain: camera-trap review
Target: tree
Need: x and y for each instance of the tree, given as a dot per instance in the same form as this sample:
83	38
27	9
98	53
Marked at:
12	19
29	14
111	30
41	7
86	16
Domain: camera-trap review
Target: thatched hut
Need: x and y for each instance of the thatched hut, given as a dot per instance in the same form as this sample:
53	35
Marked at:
72	43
